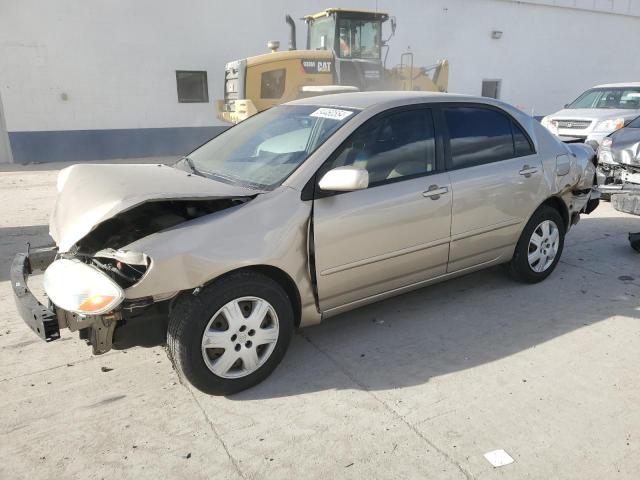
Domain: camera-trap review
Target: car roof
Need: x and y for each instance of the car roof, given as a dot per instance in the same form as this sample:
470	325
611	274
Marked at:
364	100
618	85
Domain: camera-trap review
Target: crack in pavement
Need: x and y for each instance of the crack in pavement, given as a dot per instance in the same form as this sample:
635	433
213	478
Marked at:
582	267
68	364
468	475
573	241
234	462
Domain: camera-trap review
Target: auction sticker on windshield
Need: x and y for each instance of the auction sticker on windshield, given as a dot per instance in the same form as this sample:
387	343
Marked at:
332	113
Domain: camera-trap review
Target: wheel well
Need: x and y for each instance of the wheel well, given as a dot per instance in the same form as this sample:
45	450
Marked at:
284	280
559	205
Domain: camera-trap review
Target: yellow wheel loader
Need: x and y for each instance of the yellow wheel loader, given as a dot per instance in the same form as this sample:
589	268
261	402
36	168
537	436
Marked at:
344	53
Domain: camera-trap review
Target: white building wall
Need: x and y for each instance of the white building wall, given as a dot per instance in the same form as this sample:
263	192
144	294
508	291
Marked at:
621	7
116	60
545	58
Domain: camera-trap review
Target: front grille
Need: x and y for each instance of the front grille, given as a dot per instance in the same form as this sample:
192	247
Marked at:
574	124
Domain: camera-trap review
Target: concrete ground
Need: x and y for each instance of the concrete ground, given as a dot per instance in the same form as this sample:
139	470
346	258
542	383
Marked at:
419	386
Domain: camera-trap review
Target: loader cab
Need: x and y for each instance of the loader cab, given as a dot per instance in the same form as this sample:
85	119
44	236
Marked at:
355	38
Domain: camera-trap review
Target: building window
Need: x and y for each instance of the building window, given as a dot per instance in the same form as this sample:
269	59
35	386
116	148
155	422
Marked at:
272	84
192	86
491	88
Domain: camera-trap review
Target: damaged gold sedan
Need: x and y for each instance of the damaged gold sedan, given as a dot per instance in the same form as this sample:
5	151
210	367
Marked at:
302	212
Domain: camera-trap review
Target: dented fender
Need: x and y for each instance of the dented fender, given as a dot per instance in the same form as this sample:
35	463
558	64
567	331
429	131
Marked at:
273	233
569	173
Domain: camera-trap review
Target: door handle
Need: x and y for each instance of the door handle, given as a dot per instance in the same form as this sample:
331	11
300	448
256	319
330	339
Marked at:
434	192
527	171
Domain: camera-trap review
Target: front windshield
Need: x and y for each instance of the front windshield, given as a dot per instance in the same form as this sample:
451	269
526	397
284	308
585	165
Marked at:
635	123
359	38
321	33
265	149
619	97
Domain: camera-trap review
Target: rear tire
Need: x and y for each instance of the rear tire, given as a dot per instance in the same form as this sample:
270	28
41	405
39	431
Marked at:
540	246
232	334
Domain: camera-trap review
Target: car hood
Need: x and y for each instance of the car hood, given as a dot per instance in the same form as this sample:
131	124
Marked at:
593	114
625	145
90	194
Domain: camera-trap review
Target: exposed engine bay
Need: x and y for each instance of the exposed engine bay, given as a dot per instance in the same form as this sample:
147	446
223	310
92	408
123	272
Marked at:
149	218
100	247
100	211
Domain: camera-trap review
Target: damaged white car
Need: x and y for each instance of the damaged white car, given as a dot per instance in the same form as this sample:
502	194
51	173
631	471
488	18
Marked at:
302	212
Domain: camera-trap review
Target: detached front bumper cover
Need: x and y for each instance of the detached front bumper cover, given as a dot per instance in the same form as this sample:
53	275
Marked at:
46	322
41	319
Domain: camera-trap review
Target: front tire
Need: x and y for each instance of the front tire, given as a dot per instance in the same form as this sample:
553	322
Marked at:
540	246
232	334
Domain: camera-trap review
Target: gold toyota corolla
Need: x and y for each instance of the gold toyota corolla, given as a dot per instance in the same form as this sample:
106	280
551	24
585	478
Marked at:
304	211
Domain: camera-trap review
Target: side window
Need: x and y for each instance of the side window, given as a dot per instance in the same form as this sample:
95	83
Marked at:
521	142
272	83
478	136
391	146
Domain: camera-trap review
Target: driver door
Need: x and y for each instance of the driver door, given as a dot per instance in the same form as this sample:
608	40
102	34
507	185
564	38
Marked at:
396	232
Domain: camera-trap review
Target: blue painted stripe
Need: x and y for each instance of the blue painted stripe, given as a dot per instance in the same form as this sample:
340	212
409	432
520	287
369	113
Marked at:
79	145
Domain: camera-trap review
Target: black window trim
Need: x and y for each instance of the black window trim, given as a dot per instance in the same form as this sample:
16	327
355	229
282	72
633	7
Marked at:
311	191
445	132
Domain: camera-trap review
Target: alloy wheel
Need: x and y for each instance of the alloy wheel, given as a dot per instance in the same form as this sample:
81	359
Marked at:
240	337
543	246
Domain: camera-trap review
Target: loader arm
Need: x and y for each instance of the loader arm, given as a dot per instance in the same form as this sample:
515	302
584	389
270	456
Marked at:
441	75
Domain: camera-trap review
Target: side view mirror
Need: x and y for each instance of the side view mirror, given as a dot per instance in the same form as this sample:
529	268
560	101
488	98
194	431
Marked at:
393	26
565	105
344	179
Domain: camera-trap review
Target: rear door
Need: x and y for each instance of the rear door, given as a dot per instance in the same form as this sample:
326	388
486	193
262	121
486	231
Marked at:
394	233
496	180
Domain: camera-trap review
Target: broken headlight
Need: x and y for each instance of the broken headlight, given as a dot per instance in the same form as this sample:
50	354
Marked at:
80	288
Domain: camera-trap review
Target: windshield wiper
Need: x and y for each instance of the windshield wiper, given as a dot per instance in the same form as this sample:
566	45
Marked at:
234	180
192	166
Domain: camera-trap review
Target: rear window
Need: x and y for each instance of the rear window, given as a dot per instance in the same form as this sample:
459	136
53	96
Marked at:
521	142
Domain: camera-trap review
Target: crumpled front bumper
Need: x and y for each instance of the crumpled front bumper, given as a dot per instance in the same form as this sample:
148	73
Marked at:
43	320
46	321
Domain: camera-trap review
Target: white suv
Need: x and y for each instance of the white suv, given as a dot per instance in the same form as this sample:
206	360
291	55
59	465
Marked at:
596	113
